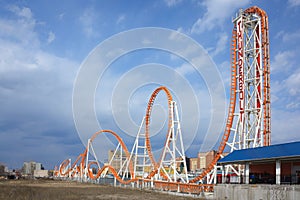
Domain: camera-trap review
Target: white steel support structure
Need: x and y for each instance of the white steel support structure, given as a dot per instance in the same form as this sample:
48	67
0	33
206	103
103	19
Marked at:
118	160
139	154
248	116
90	149
248	131
173	160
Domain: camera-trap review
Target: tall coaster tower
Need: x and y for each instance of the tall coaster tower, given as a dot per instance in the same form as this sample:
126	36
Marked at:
251	65
248	123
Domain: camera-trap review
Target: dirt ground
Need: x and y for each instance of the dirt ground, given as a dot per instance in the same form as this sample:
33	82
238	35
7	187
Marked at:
53	189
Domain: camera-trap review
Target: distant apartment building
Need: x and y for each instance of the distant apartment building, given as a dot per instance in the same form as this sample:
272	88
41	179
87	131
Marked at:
3	169
29	167
202	161
116	159
206	158
194	164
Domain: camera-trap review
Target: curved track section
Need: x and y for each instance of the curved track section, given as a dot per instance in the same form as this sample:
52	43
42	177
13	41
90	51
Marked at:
64	171
90	174
112	170
147	119
232	104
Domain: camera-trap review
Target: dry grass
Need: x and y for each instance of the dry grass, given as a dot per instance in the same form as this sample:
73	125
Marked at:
51	189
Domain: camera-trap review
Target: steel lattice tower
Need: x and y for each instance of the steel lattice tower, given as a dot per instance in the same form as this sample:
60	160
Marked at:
252	115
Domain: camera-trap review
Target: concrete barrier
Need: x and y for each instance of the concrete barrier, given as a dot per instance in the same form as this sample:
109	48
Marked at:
256	192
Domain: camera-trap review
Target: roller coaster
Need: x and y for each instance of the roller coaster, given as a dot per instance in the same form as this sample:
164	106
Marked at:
247	125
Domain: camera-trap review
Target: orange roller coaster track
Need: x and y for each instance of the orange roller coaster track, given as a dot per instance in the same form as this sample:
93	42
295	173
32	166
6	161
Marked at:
147	119
266	72
261	97
113	171
64	171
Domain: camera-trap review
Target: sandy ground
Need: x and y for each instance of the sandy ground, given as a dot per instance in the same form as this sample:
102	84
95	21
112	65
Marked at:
53	189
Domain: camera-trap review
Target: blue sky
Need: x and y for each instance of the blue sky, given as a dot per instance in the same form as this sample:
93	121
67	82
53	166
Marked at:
44	43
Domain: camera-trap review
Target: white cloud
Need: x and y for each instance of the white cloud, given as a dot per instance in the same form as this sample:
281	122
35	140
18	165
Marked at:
61	16
35	88
20	29
221	44
286	37
284	123
217	11
51	37
292	84
88	21
279	34
224	69
171	3
177	35
282	62
121	18
21	12
185	69
284	84
19	41
294	3
293	105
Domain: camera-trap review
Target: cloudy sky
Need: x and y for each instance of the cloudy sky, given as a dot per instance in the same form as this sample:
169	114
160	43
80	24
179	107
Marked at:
44	45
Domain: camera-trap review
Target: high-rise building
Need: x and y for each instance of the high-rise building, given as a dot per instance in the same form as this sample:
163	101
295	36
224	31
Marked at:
116	159
202	161
194	164
2	169
29	167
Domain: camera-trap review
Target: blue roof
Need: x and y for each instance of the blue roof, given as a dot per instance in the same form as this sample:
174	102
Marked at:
263	153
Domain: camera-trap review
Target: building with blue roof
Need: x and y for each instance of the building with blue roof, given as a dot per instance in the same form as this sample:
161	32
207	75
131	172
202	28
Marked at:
270	164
